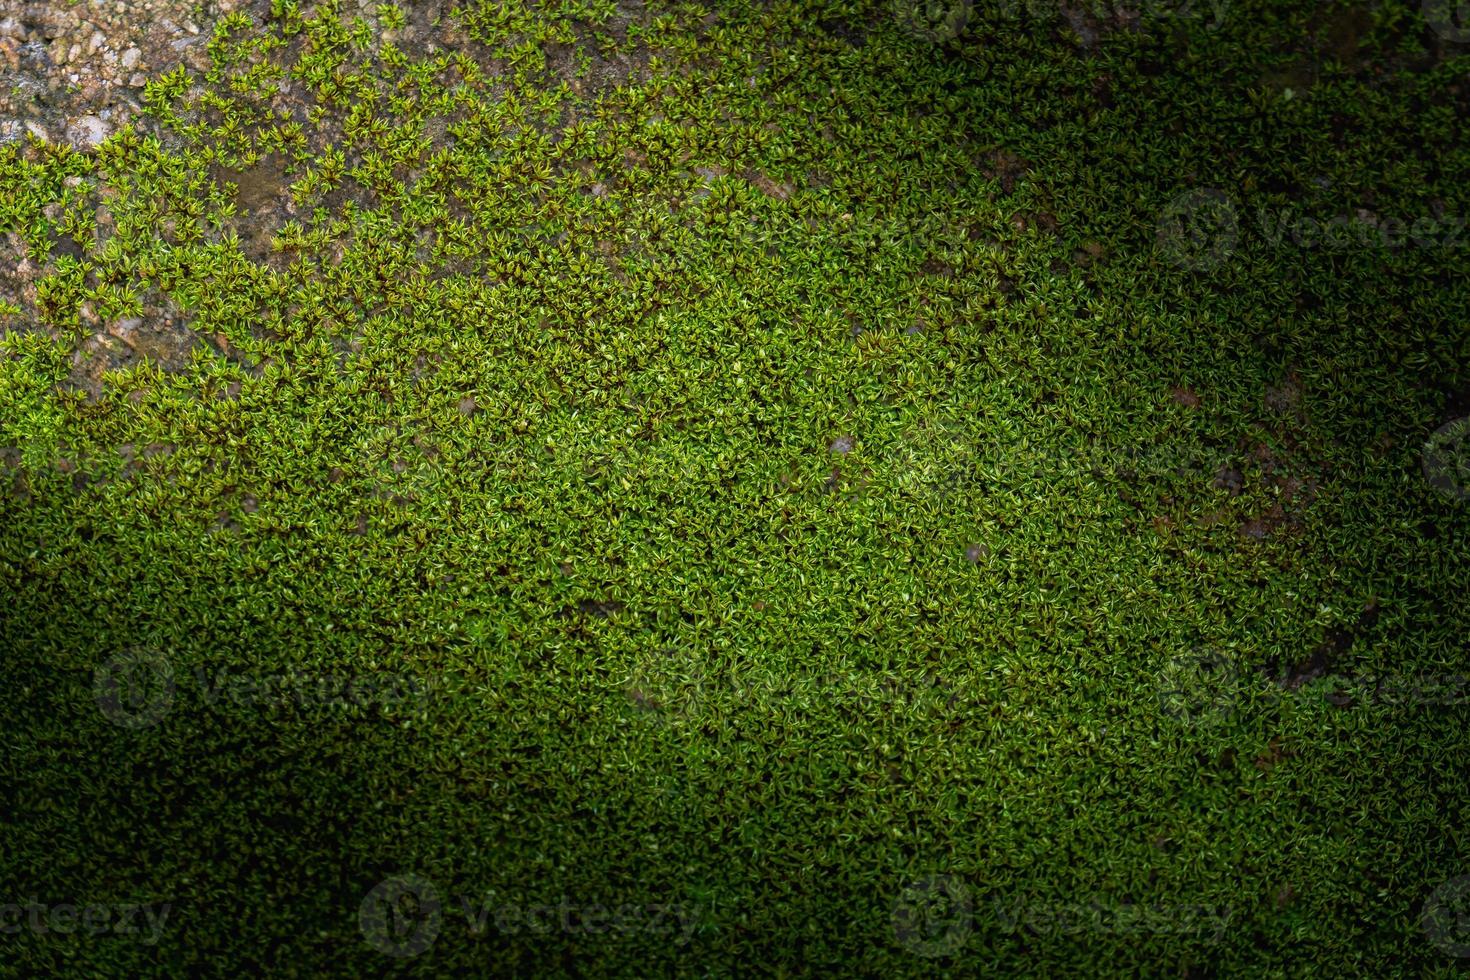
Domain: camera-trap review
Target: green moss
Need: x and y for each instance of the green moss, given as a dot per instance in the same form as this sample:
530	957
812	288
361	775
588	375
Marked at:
806	480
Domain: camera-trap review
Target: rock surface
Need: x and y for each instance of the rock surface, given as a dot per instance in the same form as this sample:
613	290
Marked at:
75	71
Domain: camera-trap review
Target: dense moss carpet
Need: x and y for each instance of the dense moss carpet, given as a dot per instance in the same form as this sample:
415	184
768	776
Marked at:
804	488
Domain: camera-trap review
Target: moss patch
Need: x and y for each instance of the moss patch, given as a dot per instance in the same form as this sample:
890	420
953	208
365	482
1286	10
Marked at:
797	491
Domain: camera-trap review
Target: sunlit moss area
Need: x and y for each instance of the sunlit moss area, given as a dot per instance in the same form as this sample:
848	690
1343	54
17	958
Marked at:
793	488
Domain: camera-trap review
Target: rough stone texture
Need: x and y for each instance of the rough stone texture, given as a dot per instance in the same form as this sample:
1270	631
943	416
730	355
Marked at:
75	72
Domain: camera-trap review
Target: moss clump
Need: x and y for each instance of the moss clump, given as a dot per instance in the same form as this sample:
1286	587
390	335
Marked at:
824	499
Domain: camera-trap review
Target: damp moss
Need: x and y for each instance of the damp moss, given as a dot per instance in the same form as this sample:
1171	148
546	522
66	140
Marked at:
815	457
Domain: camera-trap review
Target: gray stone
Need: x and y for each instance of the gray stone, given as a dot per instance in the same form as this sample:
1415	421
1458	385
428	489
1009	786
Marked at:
87	132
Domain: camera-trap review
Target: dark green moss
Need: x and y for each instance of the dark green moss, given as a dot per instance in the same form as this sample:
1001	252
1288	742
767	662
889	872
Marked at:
820	462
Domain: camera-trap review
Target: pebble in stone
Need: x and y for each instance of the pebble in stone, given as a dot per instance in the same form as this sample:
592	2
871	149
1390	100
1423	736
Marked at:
87	131
125	329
